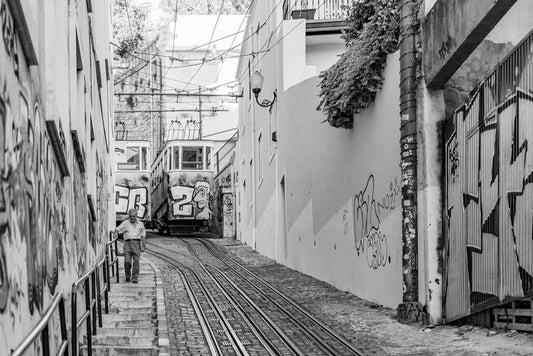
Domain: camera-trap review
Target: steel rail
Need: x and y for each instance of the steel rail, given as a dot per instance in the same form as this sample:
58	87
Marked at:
230	333
319	342
255	328
223	258
288	342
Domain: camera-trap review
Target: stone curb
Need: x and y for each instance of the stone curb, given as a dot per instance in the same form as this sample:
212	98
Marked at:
162	334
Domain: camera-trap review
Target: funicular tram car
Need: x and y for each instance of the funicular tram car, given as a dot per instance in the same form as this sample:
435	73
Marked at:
132	179
182	187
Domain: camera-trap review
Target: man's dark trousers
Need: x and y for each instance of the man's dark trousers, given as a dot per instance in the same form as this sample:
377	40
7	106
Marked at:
132	248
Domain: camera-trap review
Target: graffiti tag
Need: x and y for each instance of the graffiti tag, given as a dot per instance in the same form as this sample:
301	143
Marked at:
131	198
368	238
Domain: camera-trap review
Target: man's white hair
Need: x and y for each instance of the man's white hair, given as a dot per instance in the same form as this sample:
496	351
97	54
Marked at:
132	210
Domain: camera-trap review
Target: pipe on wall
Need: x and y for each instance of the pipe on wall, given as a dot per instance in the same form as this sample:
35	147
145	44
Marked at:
410	309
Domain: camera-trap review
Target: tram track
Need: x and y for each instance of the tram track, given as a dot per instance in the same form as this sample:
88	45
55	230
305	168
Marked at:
325	339
265	343
213	339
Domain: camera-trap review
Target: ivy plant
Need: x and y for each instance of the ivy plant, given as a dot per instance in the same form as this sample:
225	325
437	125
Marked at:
351	84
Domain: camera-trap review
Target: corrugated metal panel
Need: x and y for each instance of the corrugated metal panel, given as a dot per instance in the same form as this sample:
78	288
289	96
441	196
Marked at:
489	191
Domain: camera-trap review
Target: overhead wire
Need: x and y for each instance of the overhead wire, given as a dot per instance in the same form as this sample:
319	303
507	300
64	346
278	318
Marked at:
207	49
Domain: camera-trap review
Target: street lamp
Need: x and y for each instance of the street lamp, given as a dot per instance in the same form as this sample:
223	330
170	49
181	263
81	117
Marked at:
257	83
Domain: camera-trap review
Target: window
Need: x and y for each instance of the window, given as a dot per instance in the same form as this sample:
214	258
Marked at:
175	158
208	157
144	157
193	157
132	159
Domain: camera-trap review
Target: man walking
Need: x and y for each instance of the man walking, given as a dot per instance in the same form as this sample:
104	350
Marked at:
134	243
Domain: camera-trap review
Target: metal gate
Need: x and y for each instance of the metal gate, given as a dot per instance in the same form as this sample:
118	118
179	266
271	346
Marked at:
489	191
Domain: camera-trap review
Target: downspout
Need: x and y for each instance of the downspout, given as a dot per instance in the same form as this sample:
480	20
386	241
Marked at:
410	309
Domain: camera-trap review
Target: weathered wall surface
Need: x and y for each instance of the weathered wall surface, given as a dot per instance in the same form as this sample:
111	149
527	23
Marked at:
342	192
224	198
48	234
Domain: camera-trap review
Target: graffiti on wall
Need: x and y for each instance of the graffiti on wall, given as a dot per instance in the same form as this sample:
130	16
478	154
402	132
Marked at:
131	192
223	207
36	202
489	200
369	239
227	215
190	196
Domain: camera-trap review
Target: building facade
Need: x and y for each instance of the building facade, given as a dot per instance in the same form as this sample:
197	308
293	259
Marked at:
328	202
56	138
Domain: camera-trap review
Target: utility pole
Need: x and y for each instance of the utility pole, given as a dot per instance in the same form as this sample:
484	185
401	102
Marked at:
200	111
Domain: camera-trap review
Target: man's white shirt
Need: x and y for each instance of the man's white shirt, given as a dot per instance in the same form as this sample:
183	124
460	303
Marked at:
132	231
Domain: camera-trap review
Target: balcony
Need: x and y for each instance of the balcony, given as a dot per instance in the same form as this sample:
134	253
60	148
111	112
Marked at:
322	16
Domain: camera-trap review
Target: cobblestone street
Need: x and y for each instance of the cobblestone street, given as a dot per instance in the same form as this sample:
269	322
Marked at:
369	327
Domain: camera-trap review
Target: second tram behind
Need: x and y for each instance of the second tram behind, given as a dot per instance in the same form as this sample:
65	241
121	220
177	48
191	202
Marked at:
182	186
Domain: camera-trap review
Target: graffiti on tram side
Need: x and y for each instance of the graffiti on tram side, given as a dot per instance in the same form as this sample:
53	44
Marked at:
190	195
131	192
369	239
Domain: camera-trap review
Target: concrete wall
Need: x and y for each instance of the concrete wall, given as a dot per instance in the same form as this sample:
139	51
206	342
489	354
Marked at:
342	192
48	234
321	200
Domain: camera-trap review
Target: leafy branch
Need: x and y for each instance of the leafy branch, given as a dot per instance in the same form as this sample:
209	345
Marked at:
351	84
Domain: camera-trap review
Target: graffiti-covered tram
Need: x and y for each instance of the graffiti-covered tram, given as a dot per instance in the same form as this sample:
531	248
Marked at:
132	179
181	191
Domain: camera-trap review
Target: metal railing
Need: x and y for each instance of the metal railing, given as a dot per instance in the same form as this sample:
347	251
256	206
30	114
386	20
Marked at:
90	284
95	284
315	9
112	259
222	156
41	329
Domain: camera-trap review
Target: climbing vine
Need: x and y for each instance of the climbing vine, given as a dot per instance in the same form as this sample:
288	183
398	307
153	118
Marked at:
351	84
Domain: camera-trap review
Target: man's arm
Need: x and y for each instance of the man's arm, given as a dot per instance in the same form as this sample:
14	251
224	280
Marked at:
143	237
120	229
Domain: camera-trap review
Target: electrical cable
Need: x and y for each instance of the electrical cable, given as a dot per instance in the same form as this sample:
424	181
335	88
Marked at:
207	49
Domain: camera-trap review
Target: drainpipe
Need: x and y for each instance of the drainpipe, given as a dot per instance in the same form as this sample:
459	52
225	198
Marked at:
410	309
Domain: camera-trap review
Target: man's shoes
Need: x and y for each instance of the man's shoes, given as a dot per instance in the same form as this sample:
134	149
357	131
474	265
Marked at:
127	280
135	282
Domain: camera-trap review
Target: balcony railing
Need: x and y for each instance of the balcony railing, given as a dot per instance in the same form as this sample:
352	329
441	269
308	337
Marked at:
321	10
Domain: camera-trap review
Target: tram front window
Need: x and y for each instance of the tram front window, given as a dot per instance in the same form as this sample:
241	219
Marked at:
193	158
144	151
175	158
132	159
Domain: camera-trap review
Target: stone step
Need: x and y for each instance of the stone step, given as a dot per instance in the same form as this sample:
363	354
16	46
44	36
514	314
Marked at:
120	350
140	332
129	316
124	340
131	285
134	294
129	323
130	298
130	303
128	310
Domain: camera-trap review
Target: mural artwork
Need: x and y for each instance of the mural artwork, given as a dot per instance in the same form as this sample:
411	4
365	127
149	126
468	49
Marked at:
369	239
190	196
489	194
132	192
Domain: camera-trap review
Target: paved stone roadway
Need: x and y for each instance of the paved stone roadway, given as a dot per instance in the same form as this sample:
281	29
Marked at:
369	327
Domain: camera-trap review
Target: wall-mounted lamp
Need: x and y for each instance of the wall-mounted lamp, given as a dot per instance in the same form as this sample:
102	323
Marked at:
257	83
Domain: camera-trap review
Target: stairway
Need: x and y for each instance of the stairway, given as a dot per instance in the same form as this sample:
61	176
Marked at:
131	327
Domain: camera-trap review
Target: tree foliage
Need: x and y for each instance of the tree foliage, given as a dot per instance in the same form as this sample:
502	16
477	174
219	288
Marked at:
351	84
131	30
205	7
